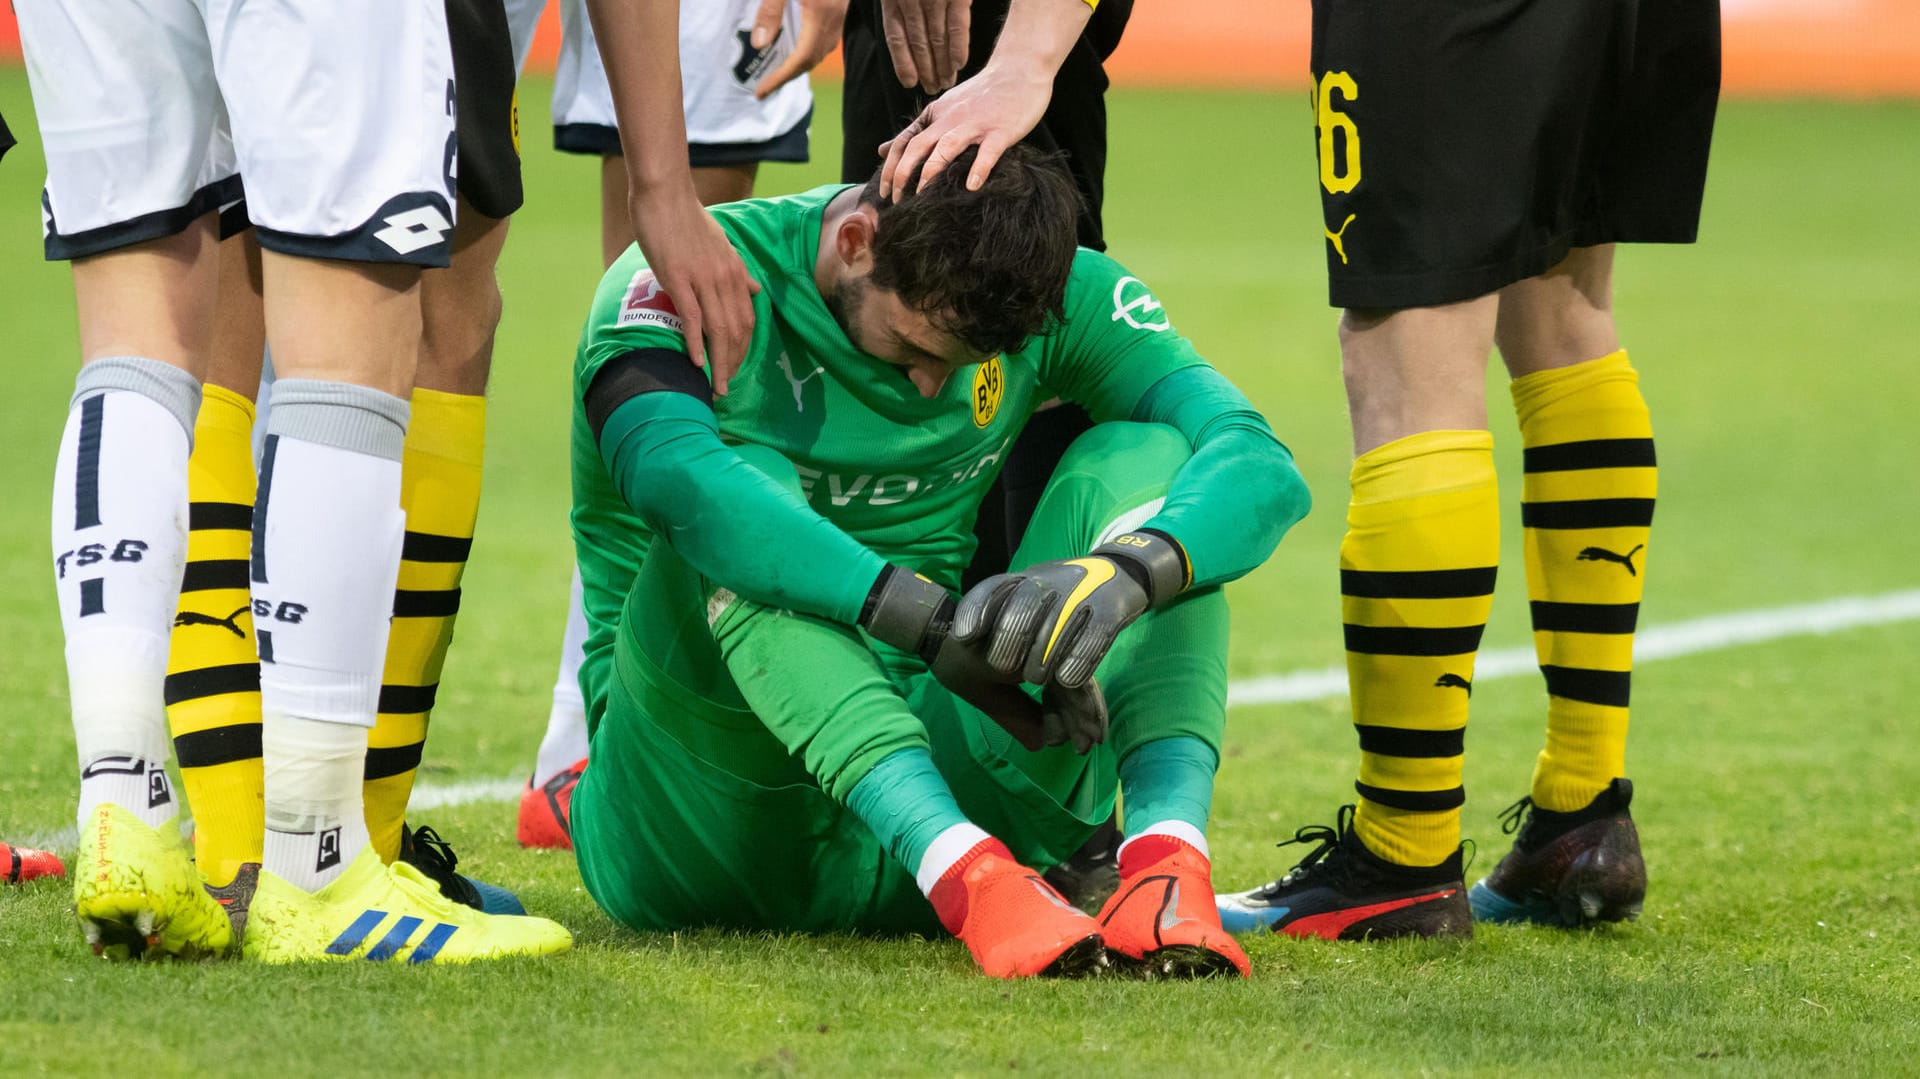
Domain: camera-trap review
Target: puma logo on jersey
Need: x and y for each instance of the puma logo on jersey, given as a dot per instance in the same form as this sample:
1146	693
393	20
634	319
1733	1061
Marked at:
1453	681
1601	554
1338	238
785	363
230	622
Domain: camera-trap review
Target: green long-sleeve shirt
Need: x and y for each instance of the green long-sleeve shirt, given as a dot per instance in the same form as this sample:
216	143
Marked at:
886	475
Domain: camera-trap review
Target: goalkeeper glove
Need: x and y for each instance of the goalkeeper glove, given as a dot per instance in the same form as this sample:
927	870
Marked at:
1053	622
914	615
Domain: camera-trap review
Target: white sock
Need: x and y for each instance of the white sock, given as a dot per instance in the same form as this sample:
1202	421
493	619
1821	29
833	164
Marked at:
119	547
1177	829
316	823
326	554
565	743
946	849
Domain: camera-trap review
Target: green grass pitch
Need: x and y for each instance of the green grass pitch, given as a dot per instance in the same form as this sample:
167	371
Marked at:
1779	782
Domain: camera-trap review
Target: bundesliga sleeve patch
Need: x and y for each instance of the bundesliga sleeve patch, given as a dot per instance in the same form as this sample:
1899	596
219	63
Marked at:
646	304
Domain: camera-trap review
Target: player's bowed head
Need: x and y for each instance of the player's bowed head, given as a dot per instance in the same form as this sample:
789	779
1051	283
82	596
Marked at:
947	277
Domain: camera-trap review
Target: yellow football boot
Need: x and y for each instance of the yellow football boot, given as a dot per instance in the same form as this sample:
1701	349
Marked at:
385	912
137	893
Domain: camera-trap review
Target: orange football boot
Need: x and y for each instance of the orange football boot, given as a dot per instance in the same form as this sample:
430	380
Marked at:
21	864
1163	920
1012	921
546	811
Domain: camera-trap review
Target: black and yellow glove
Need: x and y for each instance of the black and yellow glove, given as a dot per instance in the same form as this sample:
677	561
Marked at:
1052	623
915	615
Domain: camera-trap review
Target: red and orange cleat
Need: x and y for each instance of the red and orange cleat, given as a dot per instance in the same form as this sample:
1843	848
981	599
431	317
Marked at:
21	864
1013	922
1162	921
546	819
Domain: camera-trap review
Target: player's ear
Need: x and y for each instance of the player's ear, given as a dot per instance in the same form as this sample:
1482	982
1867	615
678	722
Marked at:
853	240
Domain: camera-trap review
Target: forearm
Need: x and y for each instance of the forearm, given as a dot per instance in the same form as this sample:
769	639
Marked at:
728	519
1037	36
640	47
1231	503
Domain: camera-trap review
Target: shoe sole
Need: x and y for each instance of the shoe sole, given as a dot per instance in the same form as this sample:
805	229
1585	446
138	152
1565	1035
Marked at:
128	923
1589	895
1176	962
1082	958
126	912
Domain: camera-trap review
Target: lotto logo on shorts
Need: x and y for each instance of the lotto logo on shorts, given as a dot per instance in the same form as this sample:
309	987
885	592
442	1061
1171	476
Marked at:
647	305
422	226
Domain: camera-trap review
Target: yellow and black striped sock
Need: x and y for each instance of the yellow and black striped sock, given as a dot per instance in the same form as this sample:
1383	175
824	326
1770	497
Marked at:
213	677
1416	580
1587	508
440	491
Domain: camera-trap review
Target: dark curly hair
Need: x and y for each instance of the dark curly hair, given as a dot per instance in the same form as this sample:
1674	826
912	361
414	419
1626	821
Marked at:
989	266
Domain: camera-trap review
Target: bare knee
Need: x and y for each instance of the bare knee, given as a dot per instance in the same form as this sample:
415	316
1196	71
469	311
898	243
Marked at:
1417	369
1562	317
458	317
460	309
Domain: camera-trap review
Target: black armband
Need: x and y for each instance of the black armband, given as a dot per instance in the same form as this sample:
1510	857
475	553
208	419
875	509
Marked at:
1155	561
643	370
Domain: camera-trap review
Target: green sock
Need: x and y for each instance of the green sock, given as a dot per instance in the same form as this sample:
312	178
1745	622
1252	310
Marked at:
908	806
1165	784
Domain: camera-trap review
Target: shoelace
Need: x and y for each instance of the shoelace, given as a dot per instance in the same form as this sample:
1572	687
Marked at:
1514	816
431	854
1328	838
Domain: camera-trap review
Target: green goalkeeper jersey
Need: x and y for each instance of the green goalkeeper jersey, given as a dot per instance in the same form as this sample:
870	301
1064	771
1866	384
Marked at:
899	473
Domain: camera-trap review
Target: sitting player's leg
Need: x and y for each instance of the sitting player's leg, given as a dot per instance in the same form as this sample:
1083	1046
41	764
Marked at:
213	674
1165	680
780	734
135	170
341	277
1587	510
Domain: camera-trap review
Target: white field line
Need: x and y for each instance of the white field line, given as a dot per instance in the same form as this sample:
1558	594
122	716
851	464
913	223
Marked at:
1692	637
1709	634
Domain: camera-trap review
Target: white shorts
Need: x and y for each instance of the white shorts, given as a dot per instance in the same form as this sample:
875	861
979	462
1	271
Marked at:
718	71
338	114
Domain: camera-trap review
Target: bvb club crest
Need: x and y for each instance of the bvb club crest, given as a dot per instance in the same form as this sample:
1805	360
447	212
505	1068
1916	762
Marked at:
989	382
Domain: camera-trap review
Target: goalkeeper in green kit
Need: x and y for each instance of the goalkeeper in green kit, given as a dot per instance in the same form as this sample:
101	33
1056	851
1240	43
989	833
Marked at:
796	723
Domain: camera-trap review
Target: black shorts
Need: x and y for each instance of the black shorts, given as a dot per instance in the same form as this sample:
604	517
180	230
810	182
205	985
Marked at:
487	121
875	107
1464	145
6	137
